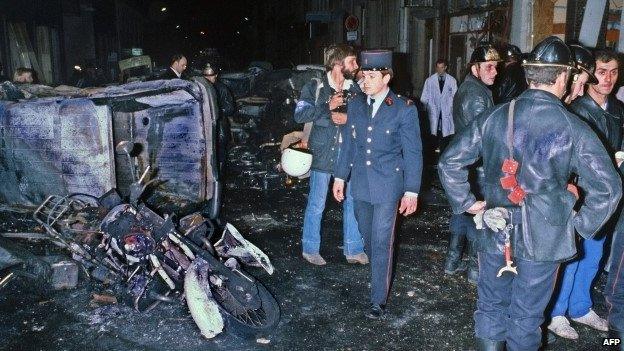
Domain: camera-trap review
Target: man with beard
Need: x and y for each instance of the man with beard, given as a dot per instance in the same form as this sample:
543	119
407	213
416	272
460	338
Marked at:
472	98
322	102
604	115
383	156
530	148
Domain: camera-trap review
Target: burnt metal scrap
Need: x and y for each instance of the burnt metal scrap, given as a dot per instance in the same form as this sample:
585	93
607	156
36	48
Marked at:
151	259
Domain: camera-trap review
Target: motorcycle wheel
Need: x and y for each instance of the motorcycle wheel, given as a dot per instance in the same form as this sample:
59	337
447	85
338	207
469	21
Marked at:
247	314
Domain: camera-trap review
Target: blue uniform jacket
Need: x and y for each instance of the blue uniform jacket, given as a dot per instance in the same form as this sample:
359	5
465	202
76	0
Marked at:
382	155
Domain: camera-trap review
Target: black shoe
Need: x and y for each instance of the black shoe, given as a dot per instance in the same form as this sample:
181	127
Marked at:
451	267
489	345
453	262
376	312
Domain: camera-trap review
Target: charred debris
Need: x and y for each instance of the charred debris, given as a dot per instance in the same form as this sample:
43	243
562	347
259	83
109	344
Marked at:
124	183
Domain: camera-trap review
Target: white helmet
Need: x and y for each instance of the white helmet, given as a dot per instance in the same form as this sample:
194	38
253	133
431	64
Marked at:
296	162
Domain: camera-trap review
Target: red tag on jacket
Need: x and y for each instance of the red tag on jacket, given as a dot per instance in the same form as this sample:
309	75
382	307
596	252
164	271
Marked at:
508	182
510	166
516	195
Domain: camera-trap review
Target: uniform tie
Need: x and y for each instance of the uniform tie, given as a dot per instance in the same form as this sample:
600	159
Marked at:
370	107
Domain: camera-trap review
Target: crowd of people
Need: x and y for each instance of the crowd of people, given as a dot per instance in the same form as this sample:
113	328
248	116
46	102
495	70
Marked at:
530	153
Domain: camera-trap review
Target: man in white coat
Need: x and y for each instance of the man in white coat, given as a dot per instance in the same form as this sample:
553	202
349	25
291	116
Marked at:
437	96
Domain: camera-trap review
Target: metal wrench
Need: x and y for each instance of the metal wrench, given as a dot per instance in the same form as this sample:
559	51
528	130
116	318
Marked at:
507	250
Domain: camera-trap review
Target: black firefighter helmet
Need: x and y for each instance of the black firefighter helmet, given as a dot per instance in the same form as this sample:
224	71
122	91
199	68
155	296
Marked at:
585	61
511	51
210	70
484	53
551	51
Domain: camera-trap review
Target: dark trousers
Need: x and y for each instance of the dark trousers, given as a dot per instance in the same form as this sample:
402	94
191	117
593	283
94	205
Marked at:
511	308
464	232
443	141
614	290
376	223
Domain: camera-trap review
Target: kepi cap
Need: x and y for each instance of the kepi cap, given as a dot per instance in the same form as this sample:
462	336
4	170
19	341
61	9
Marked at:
376	60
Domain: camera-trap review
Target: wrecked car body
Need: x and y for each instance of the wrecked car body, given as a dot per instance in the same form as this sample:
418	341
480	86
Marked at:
98	150
67	143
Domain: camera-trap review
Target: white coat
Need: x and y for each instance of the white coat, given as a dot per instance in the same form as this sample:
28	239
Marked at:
435	102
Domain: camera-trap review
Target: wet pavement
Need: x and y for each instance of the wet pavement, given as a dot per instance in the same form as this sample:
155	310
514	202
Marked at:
322	307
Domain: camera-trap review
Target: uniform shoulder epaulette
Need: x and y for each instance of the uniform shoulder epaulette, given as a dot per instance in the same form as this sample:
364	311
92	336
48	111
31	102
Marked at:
389	101
408	102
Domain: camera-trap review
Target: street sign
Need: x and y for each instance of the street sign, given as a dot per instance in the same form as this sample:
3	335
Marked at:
352	35
352	23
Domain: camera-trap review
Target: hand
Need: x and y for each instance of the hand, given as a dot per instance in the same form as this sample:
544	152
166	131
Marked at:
574	190
303	144
338	190
477	207
619	158
336	101
577	87
409	204
339	118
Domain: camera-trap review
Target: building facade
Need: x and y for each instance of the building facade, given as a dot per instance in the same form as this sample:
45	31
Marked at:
421	31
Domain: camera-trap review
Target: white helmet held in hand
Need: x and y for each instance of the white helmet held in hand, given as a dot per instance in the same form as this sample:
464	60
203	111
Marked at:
296	162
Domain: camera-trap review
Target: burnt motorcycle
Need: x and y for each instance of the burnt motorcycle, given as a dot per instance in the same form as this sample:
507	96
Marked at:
154	259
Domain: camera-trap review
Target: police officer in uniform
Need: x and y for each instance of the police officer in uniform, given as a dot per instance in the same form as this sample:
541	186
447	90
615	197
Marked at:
383	157
530	148
473	97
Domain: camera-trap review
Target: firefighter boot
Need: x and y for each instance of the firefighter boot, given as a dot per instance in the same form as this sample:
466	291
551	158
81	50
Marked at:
454	263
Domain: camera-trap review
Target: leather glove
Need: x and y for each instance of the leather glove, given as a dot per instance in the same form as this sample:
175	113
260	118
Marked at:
478	219
495	218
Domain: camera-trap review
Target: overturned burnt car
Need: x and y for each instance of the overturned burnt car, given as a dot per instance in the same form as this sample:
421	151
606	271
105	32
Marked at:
124	162
67	144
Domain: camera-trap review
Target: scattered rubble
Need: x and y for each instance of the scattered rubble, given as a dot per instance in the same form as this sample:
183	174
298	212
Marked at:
103	299
263	341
